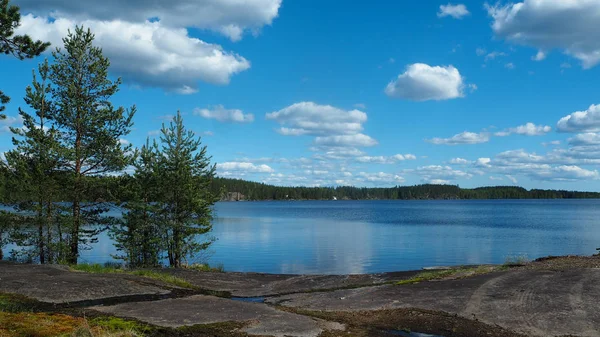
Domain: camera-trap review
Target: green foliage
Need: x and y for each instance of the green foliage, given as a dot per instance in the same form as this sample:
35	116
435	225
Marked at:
20	46
90	129
184	174
139	237
259	191
32	177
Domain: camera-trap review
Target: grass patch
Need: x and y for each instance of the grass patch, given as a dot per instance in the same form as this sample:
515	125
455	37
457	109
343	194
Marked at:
116	324
516	260
15	303
164	277
153	274
205	267
461	272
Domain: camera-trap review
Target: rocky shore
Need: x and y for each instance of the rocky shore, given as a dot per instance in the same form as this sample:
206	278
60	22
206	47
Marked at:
549	297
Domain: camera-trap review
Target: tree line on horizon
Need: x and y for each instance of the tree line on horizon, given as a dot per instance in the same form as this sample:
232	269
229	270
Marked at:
68	161
260	191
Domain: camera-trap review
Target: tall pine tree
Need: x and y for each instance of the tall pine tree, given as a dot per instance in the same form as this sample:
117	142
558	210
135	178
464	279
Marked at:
184	178
90	129
139	236
33	165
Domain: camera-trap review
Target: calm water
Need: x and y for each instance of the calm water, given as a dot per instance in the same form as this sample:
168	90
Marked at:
339	237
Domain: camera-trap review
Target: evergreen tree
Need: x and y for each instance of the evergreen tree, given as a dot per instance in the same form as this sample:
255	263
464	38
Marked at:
139	236
184	178
33	165
20	46
90	129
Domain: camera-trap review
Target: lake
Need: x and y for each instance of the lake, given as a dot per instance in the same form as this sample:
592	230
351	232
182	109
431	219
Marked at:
343	237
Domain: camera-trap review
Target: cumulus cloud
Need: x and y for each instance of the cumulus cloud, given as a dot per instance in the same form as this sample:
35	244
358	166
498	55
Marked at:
462	138
581	121
585	139
243	167
380	177
308	118
385	159
456	11
421	82
551	24
148	53
221	114
356	140
436	173
459	161
528	129
229	17
10	121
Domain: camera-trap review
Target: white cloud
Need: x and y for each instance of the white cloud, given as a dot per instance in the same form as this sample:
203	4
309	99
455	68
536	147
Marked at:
551	24
386	160
456	11
483	162
583	139
380	177
229	17
224	115
480	51
356	140
540	56
512	179
509	65
244	167
462	138
154	133
459	161
148	53
493	55
437	172
528	129
566	173
308	118
496	178
360	106
10	121
421	82
437	181
551	143
581	121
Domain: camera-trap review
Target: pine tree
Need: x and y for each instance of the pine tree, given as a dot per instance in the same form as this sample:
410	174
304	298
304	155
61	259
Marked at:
33	165
20	46
90	129
184	178
139	236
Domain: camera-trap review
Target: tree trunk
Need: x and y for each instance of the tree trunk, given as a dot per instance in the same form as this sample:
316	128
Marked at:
49	251
41	231
1	252
74	251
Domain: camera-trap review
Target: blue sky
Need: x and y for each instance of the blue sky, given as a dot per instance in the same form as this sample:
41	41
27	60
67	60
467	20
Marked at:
377	93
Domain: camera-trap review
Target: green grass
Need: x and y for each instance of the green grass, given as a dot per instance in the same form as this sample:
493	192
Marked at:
460	272
118	324
206	267
513	260
153	274
165	277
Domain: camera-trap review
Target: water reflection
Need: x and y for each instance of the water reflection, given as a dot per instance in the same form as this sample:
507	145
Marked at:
376	236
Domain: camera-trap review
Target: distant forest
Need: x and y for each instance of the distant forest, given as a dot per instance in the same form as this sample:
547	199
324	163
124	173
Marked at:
236	189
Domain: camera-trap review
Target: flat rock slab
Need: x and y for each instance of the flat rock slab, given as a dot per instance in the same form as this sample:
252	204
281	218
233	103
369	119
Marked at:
258	285
200	309
56	284
536	303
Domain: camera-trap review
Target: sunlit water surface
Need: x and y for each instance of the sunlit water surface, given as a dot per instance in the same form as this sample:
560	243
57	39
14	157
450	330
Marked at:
341	237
